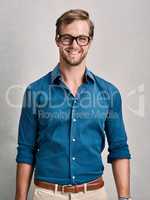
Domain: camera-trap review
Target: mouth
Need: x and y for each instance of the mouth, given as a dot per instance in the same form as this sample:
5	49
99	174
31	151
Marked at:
72	52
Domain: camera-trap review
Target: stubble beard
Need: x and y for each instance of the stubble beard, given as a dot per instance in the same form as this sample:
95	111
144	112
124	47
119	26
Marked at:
73	62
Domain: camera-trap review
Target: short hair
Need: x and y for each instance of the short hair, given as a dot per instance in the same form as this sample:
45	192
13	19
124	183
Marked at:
73	15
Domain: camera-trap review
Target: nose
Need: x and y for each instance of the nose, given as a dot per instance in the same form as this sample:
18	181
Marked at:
74	43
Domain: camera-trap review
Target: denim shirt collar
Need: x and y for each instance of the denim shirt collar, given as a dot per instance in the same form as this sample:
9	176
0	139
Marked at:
56	74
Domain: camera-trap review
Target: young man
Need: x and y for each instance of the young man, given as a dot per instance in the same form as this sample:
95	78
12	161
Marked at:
64	120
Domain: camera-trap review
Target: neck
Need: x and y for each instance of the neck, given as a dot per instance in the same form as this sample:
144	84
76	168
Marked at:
72	74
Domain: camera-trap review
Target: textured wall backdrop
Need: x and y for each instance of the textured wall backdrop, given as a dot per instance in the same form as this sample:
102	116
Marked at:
120	54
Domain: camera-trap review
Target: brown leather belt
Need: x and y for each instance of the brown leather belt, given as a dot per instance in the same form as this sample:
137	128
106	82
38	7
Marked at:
92	185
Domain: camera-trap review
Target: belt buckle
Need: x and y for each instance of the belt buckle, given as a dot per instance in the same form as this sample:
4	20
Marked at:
69	185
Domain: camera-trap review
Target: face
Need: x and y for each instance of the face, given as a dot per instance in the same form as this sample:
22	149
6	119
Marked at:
74	54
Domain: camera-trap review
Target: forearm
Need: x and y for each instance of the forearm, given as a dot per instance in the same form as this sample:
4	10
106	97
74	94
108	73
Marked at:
121	172
23	180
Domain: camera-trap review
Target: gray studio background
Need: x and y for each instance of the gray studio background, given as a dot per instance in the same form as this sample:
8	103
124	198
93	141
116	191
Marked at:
120	54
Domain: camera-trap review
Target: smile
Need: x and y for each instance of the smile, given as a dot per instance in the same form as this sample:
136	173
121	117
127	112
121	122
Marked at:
73	52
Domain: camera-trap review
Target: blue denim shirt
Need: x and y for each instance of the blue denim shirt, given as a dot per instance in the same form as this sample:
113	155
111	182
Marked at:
63	135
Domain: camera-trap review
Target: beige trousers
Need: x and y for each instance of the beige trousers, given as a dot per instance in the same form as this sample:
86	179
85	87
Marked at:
44	194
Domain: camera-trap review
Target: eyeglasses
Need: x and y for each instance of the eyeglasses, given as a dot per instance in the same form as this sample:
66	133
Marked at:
66	39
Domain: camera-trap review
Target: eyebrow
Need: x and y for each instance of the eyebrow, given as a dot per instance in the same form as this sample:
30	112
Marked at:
67	34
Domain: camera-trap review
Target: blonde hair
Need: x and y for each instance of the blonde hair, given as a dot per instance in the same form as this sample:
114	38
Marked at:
72	15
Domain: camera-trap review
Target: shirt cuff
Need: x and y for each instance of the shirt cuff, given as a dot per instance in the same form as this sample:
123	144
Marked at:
25	154
121	154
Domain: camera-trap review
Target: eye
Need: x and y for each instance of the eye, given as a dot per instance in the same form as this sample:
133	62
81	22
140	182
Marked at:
83	38
66	38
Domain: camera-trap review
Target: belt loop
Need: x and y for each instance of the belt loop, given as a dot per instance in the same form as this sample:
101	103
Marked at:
85	187
56	187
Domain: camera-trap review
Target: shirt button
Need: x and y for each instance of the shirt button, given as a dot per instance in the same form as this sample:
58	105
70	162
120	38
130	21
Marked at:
74	120
73	158
73	177
73	139
76	100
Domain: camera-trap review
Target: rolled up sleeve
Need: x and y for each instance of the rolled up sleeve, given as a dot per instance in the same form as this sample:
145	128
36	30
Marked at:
27	130
115	129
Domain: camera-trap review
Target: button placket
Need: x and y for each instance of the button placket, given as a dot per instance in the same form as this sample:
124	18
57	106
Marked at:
73	130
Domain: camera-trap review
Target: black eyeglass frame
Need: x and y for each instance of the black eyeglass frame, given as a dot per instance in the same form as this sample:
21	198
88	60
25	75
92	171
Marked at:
73	38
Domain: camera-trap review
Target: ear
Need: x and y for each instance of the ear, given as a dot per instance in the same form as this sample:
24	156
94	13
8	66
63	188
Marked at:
57	42
90	43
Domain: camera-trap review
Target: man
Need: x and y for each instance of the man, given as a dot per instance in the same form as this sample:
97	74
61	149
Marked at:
64	120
